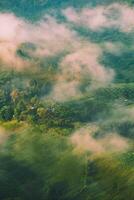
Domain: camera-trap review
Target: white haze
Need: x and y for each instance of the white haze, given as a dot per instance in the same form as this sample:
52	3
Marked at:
84	141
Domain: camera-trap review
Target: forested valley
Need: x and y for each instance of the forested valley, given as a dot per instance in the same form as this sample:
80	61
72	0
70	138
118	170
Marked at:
66	100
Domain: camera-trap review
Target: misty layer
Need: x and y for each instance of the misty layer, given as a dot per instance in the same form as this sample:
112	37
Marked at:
84	141
48	38
114	15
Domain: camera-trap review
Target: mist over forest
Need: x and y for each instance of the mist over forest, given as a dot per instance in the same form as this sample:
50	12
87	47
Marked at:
66	100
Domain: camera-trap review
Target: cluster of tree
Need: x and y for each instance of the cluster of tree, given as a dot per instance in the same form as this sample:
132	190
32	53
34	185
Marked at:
21	99
124	92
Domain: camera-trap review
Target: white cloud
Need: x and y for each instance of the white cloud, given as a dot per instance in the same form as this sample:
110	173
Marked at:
84	141
114	15
51	38
81	63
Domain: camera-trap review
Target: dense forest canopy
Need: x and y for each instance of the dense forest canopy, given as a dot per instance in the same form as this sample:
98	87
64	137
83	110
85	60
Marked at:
66	100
